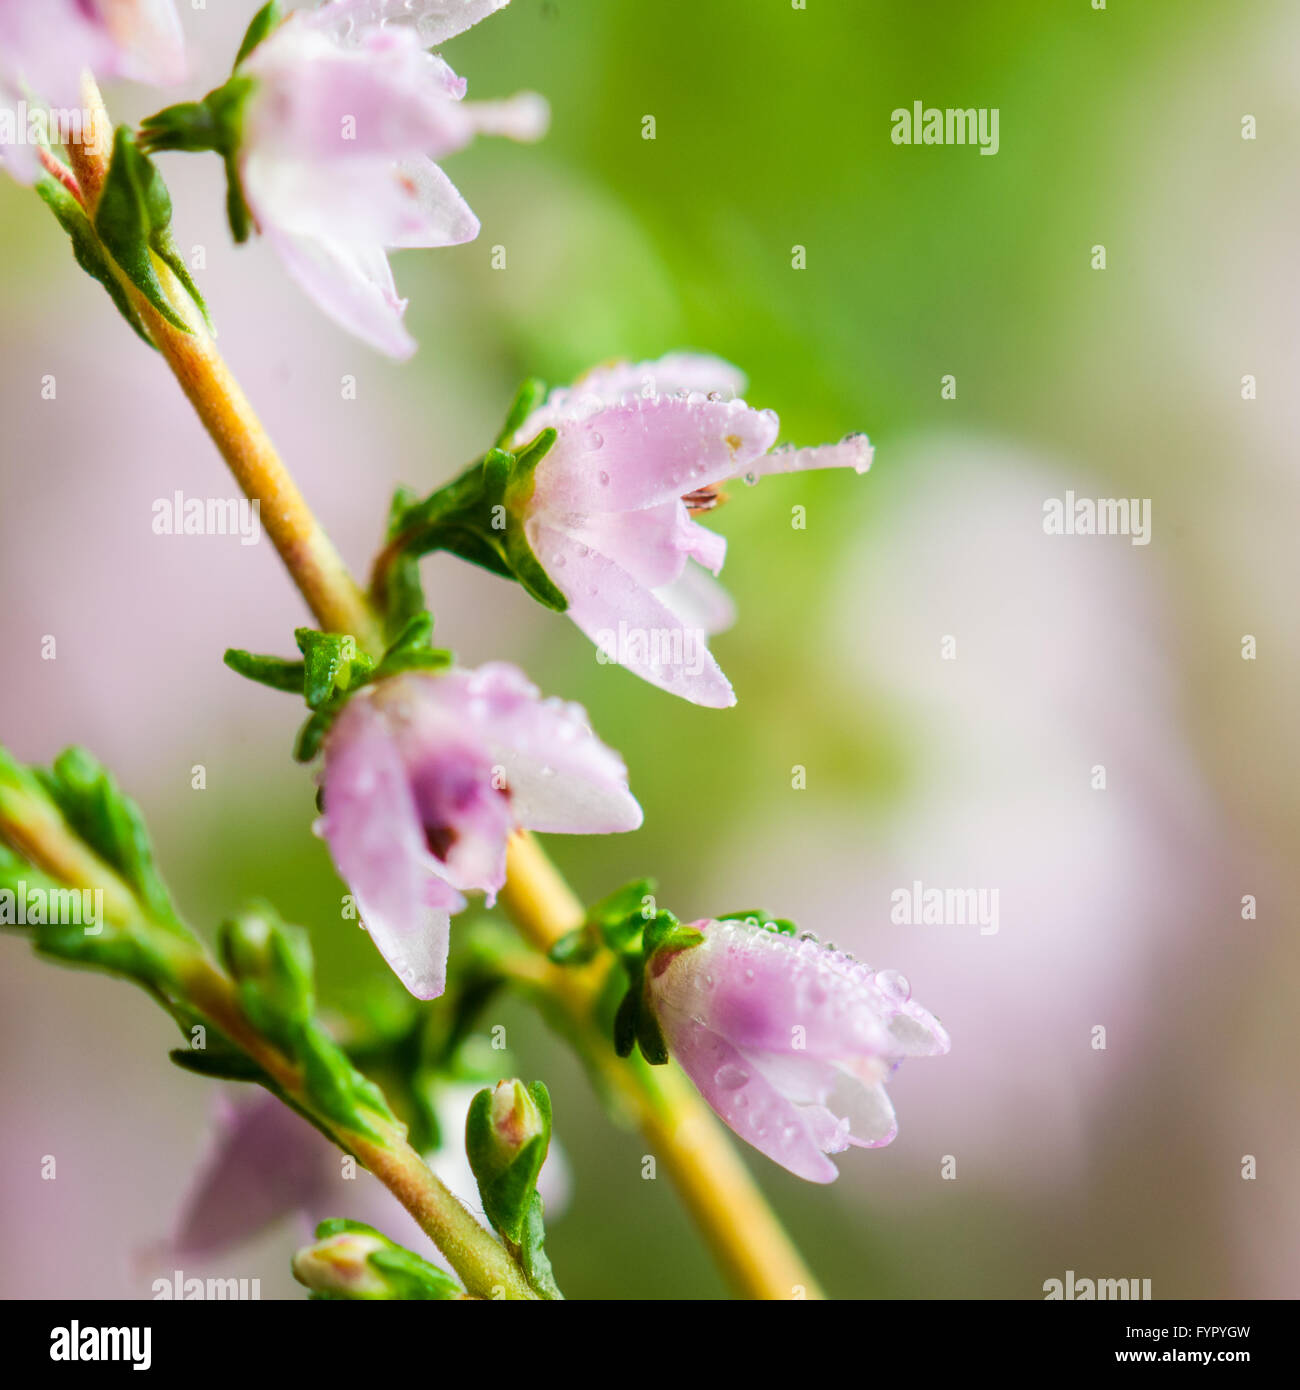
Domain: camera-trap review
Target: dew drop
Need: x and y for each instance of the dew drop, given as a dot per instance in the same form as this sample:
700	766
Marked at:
595	441
894	984
730	1077
602	478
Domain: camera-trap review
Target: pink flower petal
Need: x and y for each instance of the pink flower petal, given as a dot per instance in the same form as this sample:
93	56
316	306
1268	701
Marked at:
372	825
853	452
643	452
749	1104
629	623
150	42
668	376
561	777
699	601
353	285
434	21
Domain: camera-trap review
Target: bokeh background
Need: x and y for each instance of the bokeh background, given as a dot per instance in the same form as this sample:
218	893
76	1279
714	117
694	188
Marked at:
1120	908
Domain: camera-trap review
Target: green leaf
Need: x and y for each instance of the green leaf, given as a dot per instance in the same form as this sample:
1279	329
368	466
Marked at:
134	213
111	824
217	1065
532	1251
271	963
274	671
87	250
264	21
336	1087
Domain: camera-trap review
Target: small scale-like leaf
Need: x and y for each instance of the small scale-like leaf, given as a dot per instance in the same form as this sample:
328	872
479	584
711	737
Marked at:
532	1251
273	671
125	221
525	401
87	250
263	22
111	824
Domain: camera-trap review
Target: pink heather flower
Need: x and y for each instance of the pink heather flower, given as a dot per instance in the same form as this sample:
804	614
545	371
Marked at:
425	779
640	453
46	44
339	147
791	1042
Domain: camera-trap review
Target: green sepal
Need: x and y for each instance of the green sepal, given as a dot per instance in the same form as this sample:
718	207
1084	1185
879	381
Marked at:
87	250
133	221
332	664
532	1251
635	1021
216	124
665	933
111	824
625	1022
413	650
526	399
506	1172
273	671
263	22
577	947
518	491
311	735
781	925
478	516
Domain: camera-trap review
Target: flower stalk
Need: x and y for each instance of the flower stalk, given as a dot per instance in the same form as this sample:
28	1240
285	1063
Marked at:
229	419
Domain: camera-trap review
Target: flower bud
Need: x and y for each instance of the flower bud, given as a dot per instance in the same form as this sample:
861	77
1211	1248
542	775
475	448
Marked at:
340	1266
272	964
352	1261
507	1134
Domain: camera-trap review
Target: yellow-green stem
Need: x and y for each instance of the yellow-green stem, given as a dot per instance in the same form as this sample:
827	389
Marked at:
308	553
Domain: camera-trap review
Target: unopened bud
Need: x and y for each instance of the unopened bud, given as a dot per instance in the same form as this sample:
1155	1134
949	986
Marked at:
507	1134
353	1261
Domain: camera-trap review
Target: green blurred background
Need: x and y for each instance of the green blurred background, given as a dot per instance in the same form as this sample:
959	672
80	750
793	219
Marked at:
1120	128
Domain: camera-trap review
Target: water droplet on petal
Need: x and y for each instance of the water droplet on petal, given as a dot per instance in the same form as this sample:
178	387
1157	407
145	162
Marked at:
894	984
730	1077
595	441
602	478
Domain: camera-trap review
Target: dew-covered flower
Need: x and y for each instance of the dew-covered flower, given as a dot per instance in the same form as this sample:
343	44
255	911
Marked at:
640	454
790	1041
339	142
425	779
45	45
